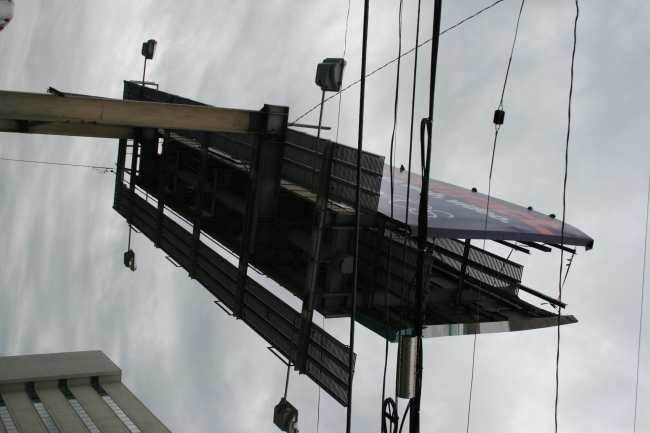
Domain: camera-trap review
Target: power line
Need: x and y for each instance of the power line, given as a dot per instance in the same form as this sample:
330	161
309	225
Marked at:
96	168
357	212
345	50
394	60
497	127
338	122
566	173
638	356
393	146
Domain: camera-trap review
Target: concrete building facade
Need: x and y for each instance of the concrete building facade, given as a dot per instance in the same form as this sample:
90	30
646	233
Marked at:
76	392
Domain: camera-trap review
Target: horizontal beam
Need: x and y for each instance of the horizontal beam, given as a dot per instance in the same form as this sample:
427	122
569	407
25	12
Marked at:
52	108
74	129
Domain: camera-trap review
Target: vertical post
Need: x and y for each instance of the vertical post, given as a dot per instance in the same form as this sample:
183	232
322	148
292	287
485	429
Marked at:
357	210
198	206
134	167
161	185
119	175
423	223
250	218
311	279
463	270
320	123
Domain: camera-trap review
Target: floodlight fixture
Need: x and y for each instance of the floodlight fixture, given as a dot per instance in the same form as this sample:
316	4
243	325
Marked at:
149	48
285	416
129	260
329	74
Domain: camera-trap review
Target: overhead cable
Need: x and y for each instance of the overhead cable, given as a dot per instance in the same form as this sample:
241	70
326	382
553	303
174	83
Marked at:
357	212
97	169
394	60
338	122
393	145
408	184
566	173
498	121
638	355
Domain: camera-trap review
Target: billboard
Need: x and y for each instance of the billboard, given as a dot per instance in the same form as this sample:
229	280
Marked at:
459	213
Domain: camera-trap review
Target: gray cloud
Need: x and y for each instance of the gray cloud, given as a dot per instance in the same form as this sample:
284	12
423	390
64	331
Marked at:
63	287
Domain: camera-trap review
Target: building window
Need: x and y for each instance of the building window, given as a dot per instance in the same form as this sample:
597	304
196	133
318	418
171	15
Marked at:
40	408
63	387
94	382
5	416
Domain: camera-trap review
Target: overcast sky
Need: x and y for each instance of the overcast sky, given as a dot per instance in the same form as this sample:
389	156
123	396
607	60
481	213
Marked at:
63	286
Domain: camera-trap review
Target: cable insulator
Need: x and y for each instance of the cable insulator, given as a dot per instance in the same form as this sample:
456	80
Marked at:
499	116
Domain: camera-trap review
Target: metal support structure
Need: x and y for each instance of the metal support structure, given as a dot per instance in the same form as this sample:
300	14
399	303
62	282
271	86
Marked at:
198	203
250	217
132	177
423	222
320	124
314	255
116	118
164	155
463	270
262	190
119	173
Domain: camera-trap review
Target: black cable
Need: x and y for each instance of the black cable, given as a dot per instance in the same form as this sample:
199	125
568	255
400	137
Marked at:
357	212
393	145
497	127
94	167
408	183
566	173
408	406
638	356
345	50
505	81
389	415
394	60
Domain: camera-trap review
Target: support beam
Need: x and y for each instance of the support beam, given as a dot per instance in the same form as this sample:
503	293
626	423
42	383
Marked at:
132	177
311	279
119	174
198	204
250	217
463	271
34	107
513	246
538	246
74	129
164	155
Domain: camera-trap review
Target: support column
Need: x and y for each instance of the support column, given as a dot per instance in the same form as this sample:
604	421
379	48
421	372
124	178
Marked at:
463	270
96	407
133	407
57	405
119	173
262	192
23	412
164	155
311	279
198	204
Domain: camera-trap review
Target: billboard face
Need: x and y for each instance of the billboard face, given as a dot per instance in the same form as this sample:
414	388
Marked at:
459	213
